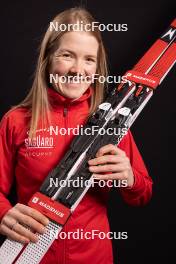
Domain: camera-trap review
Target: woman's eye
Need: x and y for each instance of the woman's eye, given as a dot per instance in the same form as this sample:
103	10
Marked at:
90	60
66	55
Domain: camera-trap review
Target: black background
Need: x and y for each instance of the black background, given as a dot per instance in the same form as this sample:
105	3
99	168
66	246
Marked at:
23	23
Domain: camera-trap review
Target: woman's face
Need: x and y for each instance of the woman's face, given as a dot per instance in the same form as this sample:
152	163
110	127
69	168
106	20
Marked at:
76	56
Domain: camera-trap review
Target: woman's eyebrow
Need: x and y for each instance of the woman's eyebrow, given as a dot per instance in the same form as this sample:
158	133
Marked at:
65	50
74	53
92	56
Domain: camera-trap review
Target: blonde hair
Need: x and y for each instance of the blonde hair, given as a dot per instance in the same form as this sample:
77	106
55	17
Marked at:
37	99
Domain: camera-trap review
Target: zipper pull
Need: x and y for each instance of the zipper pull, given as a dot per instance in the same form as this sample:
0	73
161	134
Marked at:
65	111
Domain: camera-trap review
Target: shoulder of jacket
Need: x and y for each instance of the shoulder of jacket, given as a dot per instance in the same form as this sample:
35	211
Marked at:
15	117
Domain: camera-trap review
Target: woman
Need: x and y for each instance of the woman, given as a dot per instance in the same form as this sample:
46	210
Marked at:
31	145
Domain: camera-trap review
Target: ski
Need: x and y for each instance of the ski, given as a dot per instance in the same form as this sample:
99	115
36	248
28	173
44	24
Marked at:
120	110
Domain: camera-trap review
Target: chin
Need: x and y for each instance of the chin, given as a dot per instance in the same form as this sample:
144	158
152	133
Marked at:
73	92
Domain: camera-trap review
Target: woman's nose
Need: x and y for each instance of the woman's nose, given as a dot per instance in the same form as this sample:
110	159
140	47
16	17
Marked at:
77	67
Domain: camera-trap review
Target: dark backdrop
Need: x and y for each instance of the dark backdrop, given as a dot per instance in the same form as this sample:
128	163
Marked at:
23	23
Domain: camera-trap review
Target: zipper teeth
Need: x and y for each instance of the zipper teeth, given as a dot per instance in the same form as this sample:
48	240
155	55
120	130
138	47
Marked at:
65	114
65	111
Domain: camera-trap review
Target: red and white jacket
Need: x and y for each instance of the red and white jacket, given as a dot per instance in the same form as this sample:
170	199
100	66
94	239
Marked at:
29	162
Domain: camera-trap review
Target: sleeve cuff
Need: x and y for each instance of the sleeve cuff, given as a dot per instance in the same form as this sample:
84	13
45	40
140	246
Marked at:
137	189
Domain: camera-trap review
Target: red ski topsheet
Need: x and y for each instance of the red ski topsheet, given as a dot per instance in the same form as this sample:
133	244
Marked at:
155	52
53	209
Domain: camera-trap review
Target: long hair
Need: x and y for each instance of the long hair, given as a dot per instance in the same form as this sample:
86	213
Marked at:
37	99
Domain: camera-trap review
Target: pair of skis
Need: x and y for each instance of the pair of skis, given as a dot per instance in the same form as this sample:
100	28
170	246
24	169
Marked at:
119	111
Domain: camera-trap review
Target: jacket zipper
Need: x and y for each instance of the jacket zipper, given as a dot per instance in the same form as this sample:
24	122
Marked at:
65	115
65	112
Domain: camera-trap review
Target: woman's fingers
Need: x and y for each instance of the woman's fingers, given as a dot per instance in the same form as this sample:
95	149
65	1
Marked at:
109	163
21	223
15	226
5	230
26	210
115	165
112	176
28	221
106	159
23	231
108	168
110	149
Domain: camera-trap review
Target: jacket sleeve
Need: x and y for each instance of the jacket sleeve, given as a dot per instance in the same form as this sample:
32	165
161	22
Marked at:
7	159
141	191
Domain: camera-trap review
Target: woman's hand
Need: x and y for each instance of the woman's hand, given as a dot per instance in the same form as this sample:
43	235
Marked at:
14	221
112	159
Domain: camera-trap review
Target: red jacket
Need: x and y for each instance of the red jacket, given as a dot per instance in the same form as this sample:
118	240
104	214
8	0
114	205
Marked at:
30	162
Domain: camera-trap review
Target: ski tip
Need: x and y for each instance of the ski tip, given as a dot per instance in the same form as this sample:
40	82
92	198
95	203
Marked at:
173	24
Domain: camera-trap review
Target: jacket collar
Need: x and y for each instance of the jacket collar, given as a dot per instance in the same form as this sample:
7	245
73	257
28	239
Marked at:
57	100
